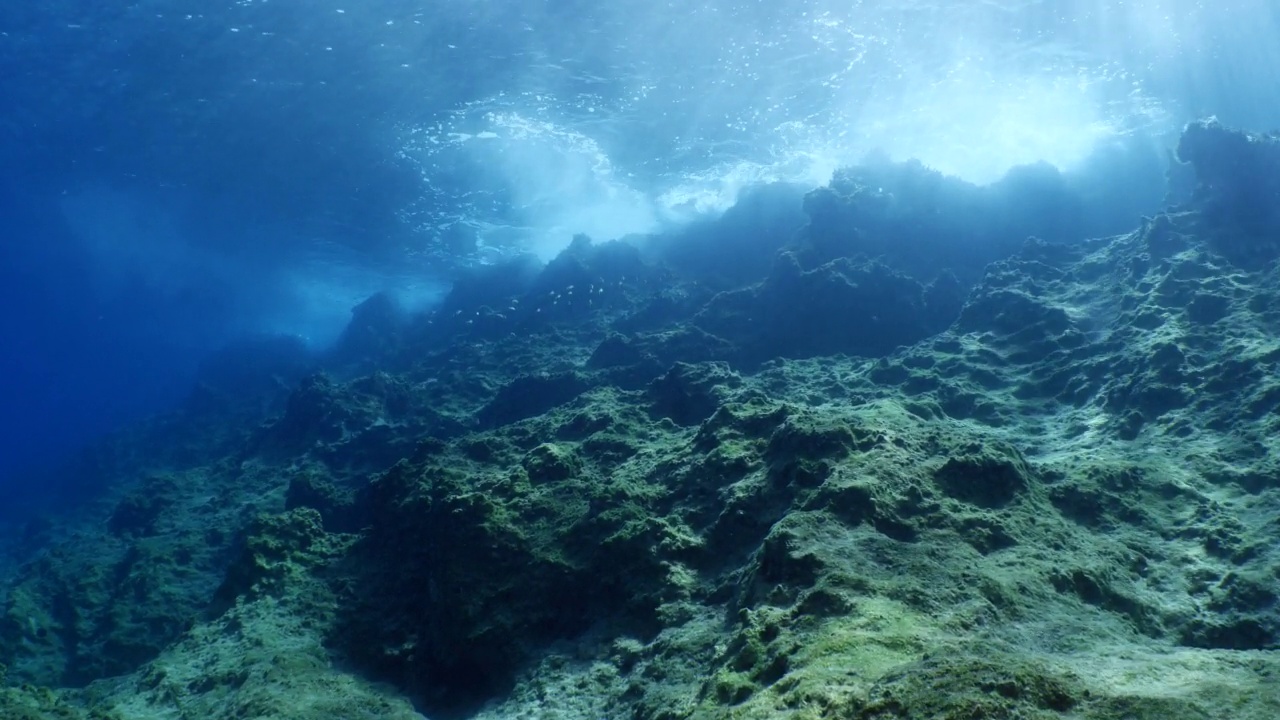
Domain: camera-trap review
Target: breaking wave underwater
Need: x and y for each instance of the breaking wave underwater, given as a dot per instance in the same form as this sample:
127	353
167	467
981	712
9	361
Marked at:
264	167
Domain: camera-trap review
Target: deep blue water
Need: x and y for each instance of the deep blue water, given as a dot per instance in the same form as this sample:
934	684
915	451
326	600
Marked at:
175	175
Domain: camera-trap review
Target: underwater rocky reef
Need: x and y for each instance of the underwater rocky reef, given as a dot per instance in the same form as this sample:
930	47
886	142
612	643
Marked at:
900	447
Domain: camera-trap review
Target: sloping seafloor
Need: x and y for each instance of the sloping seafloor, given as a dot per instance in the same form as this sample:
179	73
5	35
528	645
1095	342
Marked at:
785	482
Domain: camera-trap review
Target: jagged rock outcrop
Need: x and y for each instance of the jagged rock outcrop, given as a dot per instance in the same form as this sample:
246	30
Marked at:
1237	173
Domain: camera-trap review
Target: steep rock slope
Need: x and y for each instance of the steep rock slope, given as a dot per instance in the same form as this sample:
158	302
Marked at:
603	489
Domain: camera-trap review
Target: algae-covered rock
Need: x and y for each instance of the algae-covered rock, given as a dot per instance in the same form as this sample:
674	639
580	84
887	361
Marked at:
277	548
549	463
600	488
967	684
864	309
465	577
35	703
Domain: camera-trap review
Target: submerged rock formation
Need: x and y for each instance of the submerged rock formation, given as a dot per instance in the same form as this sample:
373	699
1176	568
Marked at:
839	489
1238	190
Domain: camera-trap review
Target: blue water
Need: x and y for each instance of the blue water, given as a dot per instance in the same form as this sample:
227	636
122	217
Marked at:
177	175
